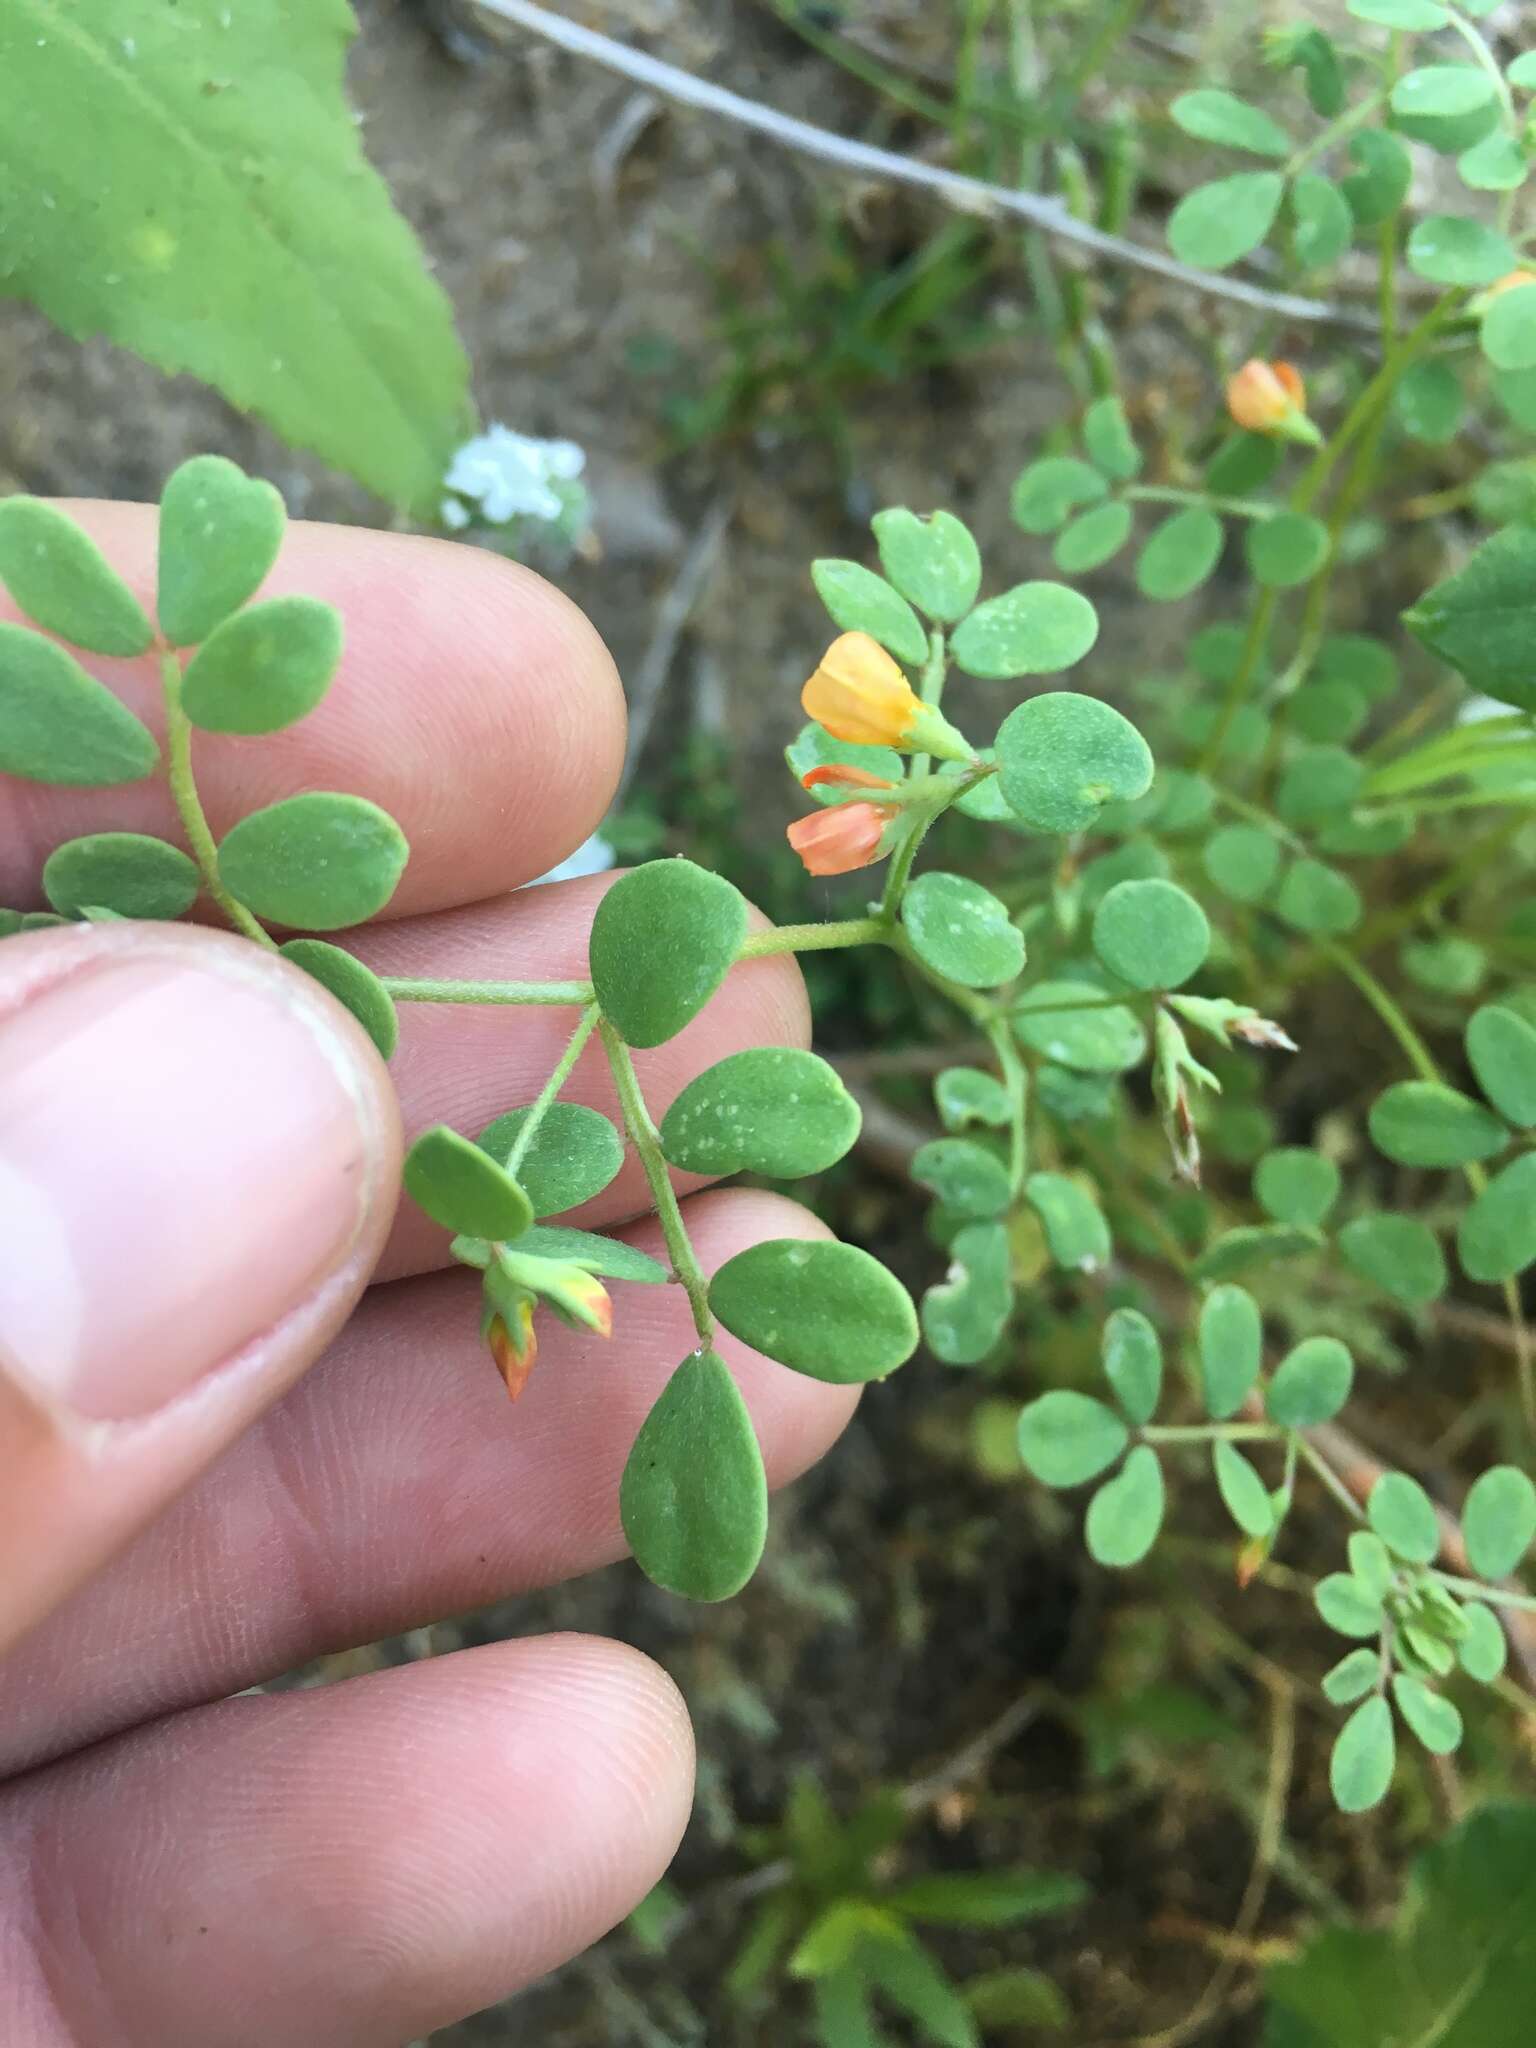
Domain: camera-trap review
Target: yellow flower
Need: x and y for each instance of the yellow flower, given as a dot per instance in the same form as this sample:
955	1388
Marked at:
859	694
1270	398
514	1346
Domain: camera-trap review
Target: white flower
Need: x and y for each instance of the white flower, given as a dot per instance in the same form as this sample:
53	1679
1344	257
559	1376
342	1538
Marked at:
509	475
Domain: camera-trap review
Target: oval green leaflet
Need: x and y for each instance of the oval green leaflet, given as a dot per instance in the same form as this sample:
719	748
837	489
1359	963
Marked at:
1108	438
1035	629
1508	333
1286	550
125	872
1231	1340
1324	226
1318	783
1133	1363
970	1095
1074	1224
1317	899
1179	555
1063	756
1311	1383
1217	225
264	668
1356	1673
862	602
825	1309
1448	249
1242	861
1126	1513
58	576
220	532
356	987
1498	1521
1399	1254
1403	1516
773	1111
1075	1024
1151	934
1067	1438
319	861
1243	1492
961	930
1296	1185
663	940
964	1314
1484	1650
965	1176
1364	1754
1432	1717
1501	1050
1378	185
573	1154
1348	1605
1253	1244
59	725
693	1500
1049	491
934	563
463	1188
1424	1123
1496	1237
1221	117
1093	538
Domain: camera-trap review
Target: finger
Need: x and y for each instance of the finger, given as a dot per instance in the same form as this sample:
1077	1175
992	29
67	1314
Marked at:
473	702
342	1868
396	1485
464	1064
199	1157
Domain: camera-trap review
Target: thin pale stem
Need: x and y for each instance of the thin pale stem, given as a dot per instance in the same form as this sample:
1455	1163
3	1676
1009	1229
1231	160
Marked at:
1335	1485
524	993
1016	1081
1495	1596
189	805
646	1139
1171	494
540	1105
1212	1432
813	938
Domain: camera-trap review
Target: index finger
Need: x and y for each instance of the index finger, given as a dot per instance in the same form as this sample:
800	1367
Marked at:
473	702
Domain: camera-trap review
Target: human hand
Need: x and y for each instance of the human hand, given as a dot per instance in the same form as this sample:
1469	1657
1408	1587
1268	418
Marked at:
199	1162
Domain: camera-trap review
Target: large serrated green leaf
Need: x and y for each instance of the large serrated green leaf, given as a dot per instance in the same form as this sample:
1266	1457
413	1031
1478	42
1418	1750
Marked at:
224	221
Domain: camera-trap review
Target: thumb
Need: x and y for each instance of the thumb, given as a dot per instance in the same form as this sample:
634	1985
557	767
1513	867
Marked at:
199	1159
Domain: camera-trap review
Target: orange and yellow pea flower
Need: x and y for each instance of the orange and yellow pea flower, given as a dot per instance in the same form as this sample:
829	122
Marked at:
846	835
1270	398
860	695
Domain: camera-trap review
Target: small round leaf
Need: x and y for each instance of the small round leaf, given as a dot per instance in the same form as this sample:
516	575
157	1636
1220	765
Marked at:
964	1314
663	940
1317	899
1356	1673
970	1095
1064	756
1126	1513
934	562
1484	1650
1242	1490
1049	491
1072	1023
58	576
1242	861
962	931
573	1155
1364	1754
773	1111
1231	1349
1403	1516
1066	1438
356	987
966	1177
1349	1607
1508	332
1221	117
1092	539
1133	1363
1501	1049
1311	1383
220	531
1217	225
1399	1254
1287	549
693	1500
1296	1185
1074	1224
1179	555
463	1189
1108	438
59	725
1496	1237
1151	934
825	1309
1424	1123
1035	629
319	861
862	602
1449	249
120	871
266	667
1428	1713
1499	1521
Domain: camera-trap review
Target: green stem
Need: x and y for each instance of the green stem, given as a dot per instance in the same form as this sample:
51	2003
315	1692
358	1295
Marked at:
1171	494
1212	1432
1242	680
520	992
646	1139
528	1130
1495	1596
1346	123
1414	1049
1472	37
189	805
1016	1081
1330	1479
814	938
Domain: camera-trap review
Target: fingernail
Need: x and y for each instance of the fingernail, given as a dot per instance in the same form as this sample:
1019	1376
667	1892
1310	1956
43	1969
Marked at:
186	1151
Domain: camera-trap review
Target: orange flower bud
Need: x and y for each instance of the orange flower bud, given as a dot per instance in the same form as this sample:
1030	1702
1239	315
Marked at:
514	1348
842	838
843	775
859	694
1270	398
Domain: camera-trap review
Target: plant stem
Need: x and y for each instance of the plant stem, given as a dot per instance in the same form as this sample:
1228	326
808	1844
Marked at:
1242	680
646	1139
518	992
1171	494
1330	1479
1016	1081
1495	1596
189	805
1416	1051
1212	1432
814	938
546	1095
